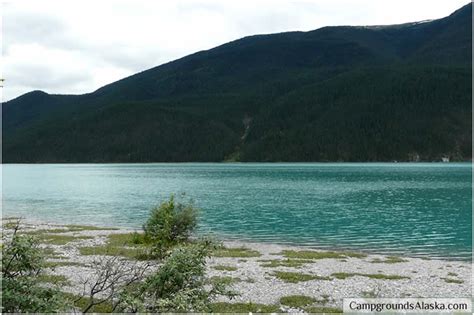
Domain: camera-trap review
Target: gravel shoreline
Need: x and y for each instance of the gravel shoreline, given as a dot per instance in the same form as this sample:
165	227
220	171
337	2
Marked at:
256	282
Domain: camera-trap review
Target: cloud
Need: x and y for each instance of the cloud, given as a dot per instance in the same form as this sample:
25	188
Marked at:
78	46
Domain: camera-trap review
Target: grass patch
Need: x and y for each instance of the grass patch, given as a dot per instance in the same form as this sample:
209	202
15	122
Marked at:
126	239
225	307
76	228
345	275
452	274
57	231
295	277
450	280
309	254
129	245
236	252
68	229
296	263
325	299
107	250
82	302
47	231
9	225
389	260
54	264
386	277
50	253
45	236
226	280
54	279
225	268
369	294
323	309
56	239
297	300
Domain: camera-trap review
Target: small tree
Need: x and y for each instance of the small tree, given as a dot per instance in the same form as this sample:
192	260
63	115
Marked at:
22	262
169	224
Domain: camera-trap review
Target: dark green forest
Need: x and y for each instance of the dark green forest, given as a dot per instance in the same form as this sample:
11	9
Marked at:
379	93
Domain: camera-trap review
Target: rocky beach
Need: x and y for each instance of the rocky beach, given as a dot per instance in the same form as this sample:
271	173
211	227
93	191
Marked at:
283	278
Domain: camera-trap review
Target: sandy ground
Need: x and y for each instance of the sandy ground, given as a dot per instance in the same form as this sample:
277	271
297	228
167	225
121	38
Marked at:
258	284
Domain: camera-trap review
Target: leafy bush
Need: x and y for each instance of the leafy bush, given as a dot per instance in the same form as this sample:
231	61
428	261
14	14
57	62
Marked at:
22	263
170	224
179	285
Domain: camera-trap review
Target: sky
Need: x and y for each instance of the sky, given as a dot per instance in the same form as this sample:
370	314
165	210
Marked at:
77	46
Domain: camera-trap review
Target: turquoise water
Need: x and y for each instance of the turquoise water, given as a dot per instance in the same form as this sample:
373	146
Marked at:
405	209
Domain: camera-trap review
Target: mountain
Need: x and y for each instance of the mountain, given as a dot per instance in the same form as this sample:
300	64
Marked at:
364	93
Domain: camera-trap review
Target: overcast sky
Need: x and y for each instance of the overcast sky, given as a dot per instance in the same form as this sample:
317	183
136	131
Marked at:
75	47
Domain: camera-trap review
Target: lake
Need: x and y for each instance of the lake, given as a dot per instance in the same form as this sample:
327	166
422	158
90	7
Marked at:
415	209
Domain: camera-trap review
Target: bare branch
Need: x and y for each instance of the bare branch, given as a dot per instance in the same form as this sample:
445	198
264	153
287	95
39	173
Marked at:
112	275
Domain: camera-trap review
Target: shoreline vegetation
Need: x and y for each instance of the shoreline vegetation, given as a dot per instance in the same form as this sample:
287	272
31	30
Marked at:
257	277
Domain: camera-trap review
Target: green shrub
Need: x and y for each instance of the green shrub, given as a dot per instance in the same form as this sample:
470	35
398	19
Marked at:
170	224
179	285
22	264
137	238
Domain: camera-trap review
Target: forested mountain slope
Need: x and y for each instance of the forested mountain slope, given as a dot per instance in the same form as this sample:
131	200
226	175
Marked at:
376	93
